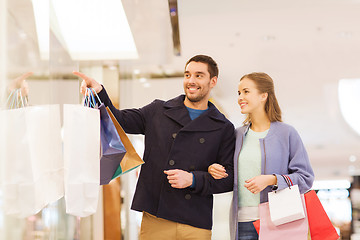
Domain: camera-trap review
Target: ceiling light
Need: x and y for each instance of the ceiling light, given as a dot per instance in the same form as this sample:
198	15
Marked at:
22	35
331	184
268	38
352	158
41	13
94	30
349	99
346	34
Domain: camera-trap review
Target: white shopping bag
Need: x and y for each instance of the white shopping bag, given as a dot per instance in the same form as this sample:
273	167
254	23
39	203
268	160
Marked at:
285	205
81	159
31	158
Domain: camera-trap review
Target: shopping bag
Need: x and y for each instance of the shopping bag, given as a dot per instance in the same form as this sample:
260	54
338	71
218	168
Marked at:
112	149
295	230
257	225
257	228
285	205
81	159
31	159
131	159
320	225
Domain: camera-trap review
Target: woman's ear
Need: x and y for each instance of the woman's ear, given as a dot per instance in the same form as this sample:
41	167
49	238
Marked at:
264	96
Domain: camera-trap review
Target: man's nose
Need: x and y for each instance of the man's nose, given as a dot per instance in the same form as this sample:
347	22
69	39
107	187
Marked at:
192	79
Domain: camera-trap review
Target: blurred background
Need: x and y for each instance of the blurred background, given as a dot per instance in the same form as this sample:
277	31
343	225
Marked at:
138	49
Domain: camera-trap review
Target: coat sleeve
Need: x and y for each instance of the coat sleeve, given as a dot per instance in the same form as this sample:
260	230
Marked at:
134	120
205	183
299	168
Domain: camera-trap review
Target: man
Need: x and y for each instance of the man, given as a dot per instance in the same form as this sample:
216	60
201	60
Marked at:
183	137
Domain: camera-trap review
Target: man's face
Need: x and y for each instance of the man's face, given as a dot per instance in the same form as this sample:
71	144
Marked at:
197	82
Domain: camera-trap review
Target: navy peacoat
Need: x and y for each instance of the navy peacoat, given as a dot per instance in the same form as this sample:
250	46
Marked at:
174	141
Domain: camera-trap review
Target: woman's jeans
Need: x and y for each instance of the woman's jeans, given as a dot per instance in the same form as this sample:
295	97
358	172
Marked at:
247	231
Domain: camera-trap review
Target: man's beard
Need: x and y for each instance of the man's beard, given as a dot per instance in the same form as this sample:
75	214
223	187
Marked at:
195	99
199	97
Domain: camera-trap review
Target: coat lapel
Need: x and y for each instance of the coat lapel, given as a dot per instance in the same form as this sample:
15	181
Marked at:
176	110
179	115
210	120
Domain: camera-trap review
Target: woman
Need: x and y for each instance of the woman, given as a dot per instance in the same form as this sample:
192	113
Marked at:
266	148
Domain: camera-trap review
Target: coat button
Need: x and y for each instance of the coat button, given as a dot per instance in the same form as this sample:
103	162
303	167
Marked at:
192	168
187	196
171	162
202	140
174	135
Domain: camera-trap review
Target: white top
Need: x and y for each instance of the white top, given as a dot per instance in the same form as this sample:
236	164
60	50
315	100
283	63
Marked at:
249	166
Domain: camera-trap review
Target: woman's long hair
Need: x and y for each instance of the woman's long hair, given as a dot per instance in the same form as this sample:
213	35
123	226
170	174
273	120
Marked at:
265	84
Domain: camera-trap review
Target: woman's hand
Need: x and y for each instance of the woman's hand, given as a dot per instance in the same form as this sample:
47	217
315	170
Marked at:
259	183
217	171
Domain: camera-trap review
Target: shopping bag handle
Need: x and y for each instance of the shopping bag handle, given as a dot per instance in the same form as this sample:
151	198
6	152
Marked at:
12	99
93	92
21	98
15	95
90	100
288	180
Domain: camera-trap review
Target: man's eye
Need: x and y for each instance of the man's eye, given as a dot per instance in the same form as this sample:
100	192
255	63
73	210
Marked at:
198	76
187	75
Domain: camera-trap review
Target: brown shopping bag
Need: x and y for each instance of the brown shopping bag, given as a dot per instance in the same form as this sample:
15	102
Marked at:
131	160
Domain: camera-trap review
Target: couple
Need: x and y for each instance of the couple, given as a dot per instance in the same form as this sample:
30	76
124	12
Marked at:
191	153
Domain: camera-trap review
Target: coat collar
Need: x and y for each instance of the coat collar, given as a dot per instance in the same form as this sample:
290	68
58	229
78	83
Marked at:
272	131
210	120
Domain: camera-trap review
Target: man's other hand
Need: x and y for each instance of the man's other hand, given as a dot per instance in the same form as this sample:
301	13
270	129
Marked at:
179	178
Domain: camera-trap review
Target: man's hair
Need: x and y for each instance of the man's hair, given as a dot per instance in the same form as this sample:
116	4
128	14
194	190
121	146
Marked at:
212	65
265	84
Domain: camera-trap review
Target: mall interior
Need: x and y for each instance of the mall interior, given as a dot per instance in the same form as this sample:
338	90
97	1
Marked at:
138	49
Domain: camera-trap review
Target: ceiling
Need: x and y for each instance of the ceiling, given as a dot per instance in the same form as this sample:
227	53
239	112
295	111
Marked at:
307	46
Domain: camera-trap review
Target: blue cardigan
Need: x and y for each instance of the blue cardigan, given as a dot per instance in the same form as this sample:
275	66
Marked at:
282	153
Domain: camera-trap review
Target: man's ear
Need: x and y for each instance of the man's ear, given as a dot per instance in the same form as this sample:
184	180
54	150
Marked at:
213	81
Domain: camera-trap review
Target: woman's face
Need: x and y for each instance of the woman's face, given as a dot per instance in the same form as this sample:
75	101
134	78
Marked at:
249	98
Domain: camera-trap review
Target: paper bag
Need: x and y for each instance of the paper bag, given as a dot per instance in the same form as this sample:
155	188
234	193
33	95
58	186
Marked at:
285	205
112	149
320	225
81	159
295	230
131	160
31	158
